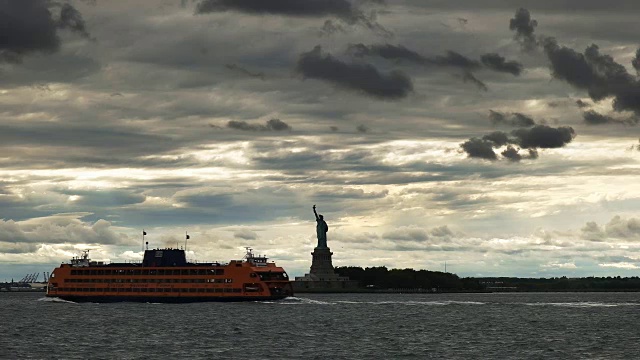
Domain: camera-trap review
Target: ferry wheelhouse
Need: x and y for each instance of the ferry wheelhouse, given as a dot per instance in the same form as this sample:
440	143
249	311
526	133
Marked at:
165	276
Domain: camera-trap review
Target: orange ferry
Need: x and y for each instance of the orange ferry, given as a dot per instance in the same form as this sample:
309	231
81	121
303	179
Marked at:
165	276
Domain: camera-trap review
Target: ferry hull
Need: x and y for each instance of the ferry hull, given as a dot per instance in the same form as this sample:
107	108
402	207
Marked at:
165	299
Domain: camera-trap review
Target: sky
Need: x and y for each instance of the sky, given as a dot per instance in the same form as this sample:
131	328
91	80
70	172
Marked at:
500	137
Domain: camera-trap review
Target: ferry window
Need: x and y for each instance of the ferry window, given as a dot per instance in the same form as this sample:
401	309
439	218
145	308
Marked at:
100	272
145	272
228	290
174	272
108	272
200	290
192	290
210	289
136	289
127	290
136	272
160	271
193	272
153	272
238	264
211	271
219	271
92	272
74	272
236	290
129	272
199	280
228	280
202	271
175	290
219	290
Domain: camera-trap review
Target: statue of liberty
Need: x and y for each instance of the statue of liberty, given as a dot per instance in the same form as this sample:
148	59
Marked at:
321	229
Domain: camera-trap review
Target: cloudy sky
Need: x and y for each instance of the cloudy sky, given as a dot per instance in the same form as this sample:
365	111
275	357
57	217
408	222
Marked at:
500	137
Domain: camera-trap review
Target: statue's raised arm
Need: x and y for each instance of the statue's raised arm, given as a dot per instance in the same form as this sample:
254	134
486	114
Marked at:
314	212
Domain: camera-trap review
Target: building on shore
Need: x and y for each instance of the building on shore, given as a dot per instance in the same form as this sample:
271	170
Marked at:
322	276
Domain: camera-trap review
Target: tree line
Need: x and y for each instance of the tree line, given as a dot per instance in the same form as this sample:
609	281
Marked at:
382	278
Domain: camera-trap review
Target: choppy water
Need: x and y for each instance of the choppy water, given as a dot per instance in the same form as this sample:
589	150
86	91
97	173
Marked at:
329	326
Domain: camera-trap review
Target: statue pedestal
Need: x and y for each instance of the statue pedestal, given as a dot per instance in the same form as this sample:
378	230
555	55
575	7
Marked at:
321	266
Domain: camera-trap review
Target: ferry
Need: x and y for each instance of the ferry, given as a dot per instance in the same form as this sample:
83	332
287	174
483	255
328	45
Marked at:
165	276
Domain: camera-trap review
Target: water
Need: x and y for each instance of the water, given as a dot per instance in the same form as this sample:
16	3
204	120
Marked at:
328	326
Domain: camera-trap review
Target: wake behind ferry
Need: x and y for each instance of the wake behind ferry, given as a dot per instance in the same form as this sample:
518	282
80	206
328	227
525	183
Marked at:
165	276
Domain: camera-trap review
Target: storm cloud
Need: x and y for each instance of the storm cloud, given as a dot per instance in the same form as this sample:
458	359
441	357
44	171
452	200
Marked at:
31	27
543	136
364	78
524	27
342	9
592	117
599	74
313	8
271	125
512	119
539	136
498	63
491	61
635	62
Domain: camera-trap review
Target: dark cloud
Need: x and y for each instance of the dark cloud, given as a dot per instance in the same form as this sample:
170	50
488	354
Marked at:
271	125
513	119
479	148
452	59
599	74
71	19
498	138
513	153
524	27
342	9
635	62
387	51
29	26
360	77
582	104
467	76
592	117
498	63
539	136
543	136
235	67
312	8
401	53
455	59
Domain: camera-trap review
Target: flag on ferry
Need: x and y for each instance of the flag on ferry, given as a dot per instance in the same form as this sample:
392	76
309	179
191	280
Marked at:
144	232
